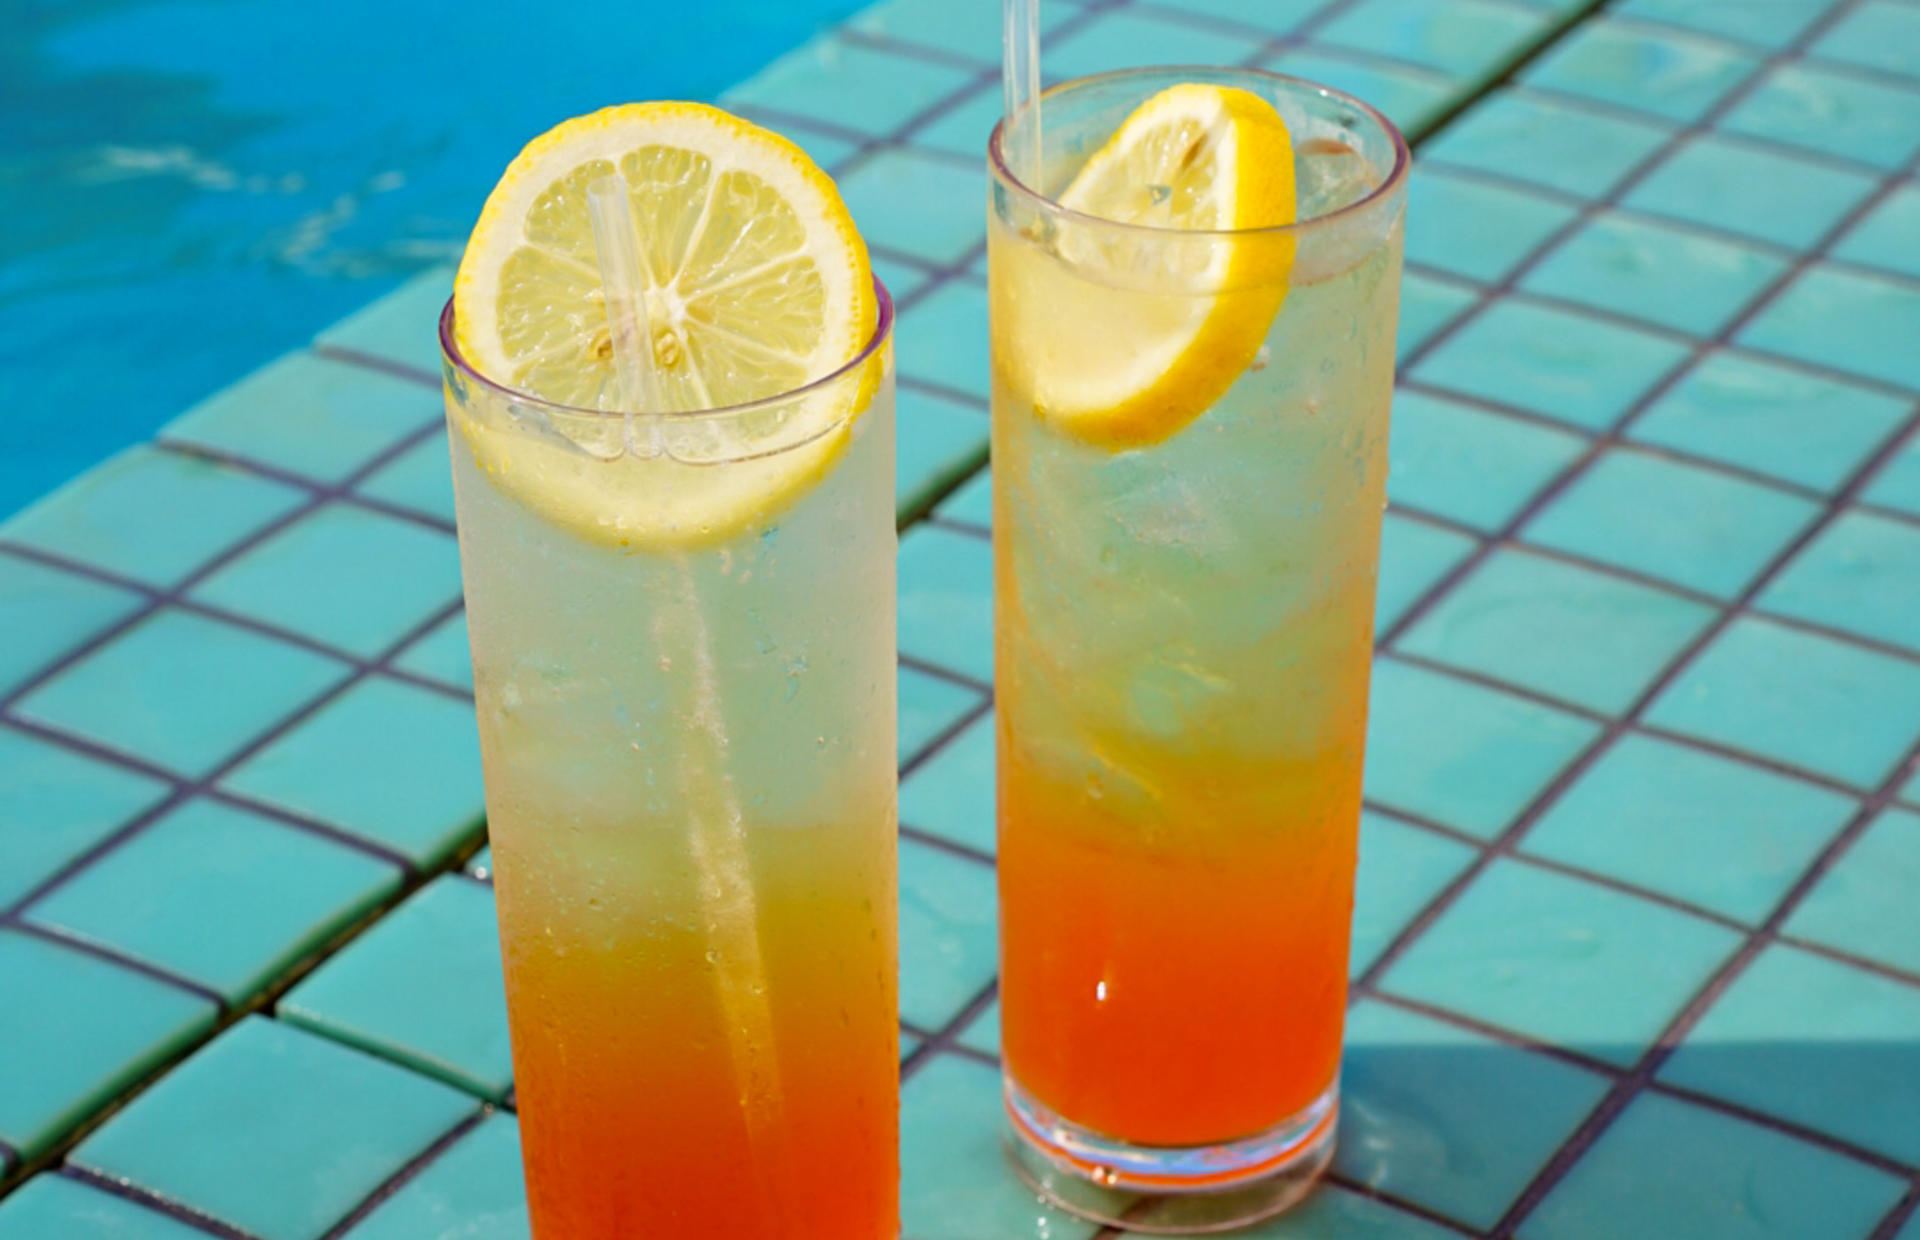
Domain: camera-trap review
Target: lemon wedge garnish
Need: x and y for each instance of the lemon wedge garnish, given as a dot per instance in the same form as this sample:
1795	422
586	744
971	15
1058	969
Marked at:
1122	336
756	284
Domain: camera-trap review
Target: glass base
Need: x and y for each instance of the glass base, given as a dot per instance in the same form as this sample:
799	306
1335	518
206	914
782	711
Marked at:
1174	1190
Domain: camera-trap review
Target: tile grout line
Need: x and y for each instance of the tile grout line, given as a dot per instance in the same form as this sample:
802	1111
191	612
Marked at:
412	1168
179	1212
944	1038
112	955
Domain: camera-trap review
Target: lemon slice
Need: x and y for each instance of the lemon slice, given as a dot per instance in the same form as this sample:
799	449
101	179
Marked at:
1121	337
756	284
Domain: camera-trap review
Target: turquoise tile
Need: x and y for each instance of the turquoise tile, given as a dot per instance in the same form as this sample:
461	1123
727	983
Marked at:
1130	39
1735	187
1466	465
902	279
1814	1042
1558	629
1769	23
403	327
930	207
1449	1119
1910	791
1335	1213
1663	275
1848	320
423	987
1896	484
1411	98
150	515
388	762
939	442
473	1191
1473	228
1464	38
1725	836
1552	362
1671	1168
1771	419
55	804
1889	236
964	128
846	84
1912	1230
956	29
826	150
1674	76
948	943
943	338
480	865
1468	757
146	692
309	415
1269	17
1695	527
419	480
951	795
1861	575
48	612
1864	904
971	504
53	1207
946	600
1558	146
928	707
219	895
75	1031
1876	35
983	1031
954	1179
1798	698
1402	868
1426	306
1562	960
1413	556
441	654
273	1130
1832	113
345	576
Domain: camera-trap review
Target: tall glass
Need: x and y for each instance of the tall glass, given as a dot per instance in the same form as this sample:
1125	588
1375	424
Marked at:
1183	639
688	738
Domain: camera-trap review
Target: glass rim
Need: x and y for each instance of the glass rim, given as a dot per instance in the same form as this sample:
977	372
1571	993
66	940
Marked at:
882	330
1395	177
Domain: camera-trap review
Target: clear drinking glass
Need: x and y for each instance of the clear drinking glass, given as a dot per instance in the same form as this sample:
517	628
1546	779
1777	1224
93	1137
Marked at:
1184	631
689	755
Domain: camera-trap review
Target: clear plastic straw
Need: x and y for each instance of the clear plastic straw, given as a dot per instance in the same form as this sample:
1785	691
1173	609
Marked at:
1020	70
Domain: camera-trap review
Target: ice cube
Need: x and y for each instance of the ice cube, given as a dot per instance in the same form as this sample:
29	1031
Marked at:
1329	175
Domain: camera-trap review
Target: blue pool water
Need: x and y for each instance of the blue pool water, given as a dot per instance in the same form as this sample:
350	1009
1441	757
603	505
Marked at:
191	187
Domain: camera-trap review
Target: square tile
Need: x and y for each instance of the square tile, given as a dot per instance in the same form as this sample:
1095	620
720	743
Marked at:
943	339
849	85
1889	236
1467	465
1864	904
956	29
1474	228
1769	23
441	654
964	128
1733	186
970	504
928	707
151	515
1568	632
1270	17
145	692
403	327
946	600
309	415
219	895
1563	960
1849	320
1411	98
902	278
1131	39
393	764
75	1031
1724	836
924	205
1467	757
423	987
1402	868
1660	274
473	1191
1464	38
1896	484
1695	527
1798	698
1833	113
1674	76
949	946
1413	556
1558	146
983	1031
345	576
55	804
1771	419
940	441
1876	35
1814	1042
1671	1168
419	480
47	612
951	795
1452	1120
1426	306
53	1207
1551	362
274	1130
1861	574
